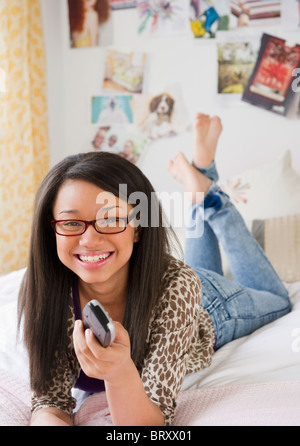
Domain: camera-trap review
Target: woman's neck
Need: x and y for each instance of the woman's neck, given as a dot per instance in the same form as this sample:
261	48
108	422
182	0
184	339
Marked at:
113	298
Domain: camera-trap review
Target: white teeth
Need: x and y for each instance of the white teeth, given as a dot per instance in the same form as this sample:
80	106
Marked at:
93	259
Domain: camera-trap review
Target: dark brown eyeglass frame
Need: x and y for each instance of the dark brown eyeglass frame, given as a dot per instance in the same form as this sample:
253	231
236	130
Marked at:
88	223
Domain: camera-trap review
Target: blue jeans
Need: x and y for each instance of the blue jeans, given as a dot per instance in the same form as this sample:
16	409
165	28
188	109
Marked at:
256	296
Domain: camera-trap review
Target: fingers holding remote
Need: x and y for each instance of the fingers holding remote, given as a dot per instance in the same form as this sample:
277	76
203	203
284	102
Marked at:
99	362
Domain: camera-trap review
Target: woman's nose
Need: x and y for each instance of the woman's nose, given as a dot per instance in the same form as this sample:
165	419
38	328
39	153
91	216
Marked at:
91	237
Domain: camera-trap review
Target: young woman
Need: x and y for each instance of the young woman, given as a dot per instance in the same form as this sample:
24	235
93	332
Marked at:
92	239
85	16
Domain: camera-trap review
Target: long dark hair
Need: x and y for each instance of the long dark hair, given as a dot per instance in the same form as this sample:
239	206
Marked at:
77	13
45	292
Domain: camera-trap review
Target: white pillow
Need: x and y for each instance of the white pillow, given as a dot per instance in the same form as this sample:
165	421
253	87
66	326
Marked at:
280	239
270	190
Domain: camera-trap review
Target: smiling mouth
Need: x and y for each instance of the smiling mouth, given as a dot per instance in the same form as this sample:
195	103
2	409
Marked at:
94	259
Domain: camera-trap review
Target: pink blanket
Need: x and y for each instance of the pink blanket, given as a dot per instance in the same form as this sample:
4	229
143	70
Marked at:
261	404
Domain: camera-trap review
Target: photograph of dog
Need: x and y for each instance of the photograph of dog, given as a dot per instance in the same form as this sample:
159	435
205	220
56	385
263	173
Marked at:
159	120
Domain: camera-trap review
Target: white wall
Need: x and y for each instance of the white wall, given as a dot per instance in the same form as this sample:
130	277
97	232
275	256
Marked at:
251	135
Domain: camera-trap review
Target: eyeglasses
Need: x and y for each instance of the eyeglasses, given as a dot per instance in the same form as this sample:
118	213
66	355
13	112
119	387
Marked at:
110	225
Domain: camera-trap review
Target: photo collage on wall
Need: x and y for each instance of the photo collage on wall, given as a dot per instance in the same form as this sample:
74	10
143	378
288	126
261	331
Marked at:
129	119
242	47
253	66
200	18
125	116
124	77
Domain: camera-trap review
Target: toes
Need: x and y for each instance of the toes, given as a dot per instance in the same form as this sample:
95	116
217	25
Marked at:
201	115
216	122
178	155
170	164
201	119
177	167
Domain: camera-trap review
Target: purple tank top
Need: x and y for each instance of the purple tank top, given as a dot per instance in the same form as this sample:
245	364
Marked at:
84	382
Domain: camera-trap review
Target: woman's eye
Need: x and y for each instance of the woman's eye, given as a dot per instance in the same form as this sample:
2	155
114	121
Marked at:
72	223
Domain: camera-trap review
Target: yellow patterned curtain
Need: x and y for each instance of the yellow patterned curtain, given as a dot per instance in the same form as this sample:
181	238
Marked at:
24	156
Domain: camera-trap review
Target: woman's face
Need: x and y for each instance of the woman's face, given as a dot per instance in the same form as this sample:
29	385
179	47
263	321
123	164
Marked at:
95	258
128	148
89	3
99	139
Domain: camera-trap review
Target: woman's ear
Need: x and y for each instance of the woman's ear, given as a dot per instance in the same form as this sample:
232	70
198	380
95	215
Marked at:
137	234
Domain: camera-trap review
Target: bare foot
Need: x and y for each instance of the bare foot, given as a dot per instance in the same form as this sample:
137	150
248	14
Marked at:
206	134
195	183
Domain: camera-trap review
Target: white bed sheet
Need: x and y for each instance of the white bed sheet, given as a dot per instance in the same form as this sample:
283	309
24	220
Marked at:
267	355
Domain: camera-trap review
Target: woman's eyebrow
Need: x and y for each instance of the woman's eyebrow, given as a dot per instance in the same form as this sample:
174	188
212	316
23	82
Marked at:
69	211
75	211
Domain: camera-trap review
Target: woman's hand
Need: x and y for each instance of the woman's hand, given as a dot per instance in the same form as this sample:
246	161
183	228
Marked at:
108	363
126	396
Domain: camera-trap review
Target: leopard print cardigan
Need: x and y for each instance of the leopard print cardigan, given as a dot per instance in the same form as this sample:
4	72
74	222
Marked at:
180	341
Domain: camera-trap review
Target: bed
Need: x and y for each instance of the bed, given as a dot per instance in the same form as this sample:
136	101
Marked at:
252	381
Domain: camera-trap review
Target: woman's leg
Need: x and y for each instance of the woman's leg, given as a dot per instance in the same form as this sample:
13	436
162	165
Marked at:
248	263
201	244
235	310
257	296
203	251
